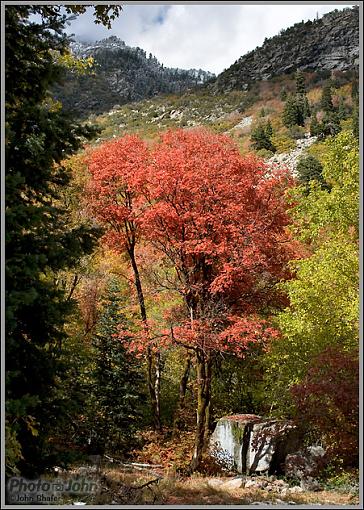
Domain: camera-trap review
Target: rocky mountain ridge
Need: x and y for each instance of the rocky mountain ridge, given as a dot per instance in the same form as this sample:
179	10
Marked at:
325	44
122	74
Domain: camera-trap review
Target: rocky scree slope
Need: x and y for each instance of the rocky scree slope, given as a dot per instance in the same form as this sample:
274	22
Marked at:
121	75
325	44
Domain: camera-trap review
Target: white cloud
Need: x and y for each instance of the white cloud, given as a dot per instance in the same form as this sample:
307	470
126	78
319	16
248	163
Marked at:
210	37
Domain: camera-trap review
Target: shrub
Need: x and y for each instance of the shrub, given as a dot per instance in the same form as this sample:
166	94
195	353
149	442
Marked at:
264	153
283	142
296	132
328	400
309	168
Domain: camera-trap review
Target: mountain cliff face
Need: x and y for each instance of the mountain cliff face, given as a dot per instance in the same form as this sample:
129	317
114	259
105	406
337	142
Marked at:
328	43
122	74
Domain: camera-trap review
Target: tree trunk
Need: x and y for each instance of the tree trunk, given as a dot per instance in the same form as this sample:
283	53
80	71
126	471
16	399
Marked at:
153	361
203	402
207	422
157	389
178	419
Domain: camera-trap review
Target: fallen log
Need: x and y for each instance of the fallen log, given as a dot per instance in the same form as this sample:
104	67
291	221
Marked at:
136	465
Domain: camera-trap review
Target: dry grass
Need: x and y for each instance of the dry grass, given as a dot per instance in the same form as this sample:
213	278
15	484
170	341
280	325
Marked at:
125	488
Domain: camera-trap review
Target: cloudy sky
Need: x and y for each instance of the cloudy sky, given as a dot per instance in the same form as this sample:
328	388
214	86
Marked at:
210	37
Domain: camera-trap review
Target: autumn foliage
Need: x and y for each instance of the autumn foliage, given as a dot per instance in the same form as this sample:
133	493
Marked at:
328	399
217	218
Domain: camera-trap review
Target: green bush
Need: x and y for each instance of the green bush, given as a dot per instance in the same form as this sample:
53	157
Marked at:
283	142
296	132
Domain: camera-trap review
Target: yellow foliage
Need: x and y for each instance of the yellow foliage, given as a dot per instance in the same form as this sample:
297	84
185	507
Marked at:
282	141
73	64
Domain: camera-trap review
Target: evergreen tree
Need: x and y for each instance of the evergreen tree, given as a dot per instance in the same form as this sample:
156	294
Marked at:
355	121
269	129
297	108
116	388
315	126
292	114
326	99
330	125
39	241
261	137
355	91
355	113
306	107
341	111
310	169
300	83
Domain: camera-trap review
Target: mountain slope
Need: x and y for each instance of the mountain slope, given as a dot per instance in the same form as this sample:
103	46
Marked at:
122	74
328	43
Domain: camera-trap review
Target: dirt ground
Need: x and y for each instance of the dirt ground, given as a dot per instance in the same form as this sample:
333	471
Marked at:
155	487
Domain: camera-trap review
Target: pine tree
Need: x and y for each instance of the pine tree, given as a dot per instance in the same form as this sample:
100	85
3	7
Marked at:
297	108
326	99
117	380
261	137
315	128
355	113
330	124
39	241
300	83
310	169
269	129
355	91
355	121
341	111
291	114
306	107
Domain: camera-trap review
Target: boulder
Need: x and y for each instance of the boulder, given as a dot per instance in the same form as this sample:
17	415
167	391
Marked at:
306	463
230	438
250	444
235	483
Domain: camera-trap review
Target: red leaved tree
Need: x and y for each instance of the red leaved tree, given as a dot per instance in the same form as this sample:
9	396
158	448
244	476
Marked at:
328	400
117	170
220	219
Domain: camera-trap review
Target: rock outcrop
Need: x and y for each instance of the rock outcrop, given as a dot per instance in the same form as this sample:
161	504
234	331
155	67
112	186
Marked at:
329	43
290	159
250	444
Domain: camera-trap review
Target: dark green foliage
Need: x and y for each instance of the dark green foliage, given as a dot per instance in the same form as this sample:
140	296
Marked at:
330	123
296	132
262	112
283	94
269	129
306	107
355	121
300	83
355	91
293	113
237	386
326	98
355	113
261	137
310	169
116	380
297	108
342	110
39	241
315	126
